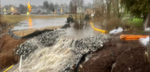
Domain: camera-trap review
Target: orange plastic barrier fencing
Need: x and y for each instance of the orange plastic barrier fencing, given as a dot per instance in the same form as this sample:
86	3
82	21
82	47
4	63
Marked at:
132	37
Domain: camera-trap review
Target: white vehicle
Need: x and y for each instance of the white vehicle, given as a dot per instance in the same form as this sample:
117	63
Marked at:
1	13
4	13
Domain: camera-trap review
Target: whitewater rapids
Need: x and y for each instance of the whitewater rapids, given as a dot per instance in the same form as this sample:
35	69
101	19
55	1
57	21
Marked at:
60	56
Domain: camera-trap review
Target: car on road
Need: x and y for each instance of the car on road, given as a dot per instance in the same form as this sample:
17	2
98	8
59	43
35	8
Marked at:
3	13
16	13
9	13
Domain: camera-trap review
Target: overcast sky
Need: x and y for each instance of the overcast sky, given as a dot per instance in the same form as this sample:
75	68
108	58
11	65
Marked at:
36	2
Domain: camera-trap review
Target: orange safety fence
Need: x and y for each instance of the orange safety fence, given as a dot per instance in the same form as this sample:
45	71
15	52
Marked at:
103	31
132	37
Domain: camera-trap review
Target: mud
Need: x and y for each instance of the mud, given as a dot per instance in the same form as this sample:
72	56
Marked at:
7	54
118	56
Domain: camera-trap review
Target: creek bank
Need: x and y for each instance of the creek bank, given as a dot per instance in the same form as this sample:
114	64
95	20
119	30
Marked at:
118	56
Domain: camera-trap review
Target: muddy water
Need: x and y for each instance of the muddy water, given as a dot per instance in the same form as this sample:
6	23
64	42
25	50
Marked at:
78	34
39	23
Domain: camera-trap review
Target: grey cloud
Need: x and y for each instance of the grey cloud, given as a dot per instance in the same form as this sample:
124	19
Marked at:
35	2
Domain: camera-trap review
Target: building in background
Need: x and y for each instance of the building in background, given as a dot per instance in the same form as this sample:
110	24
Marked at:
89	11
12	9
39	10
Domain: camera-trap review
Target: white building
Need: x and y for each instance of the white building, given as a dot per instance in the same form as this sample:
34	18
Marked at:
39	9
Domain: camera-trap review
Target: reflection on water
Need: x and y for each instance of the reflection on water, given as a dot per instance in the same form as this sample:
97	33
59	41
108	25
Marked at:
39	23
30	23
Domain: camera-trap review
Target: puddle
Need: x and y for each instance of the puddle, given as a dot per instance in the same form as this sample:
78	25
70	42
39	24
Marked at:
39	23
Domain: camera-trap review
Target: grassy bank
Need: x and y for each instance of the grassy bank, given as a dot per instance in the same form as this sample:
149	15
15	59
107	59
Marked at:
136	22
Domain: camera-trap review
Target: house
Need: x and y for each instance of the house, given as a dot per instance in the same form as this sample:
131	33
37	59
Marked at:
80	10
39	9
12	9
89	11
9	9
65	9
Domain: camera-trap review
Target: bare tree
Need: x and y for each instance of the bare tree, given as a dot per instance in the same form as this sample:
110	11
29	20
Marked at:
73	6
108	3
56	6
51	7
115	8
46	5
80	3
21	8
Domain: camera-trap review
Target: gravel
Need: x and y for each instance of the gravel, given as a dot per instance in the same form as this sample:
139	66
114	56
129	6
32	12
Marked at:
49	38
46	39
25	49
90	44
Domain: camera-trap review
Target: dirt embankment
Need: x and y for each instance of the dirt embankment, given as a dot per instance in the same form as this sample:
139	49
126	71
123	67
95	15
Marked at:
29	31
7	54
118	56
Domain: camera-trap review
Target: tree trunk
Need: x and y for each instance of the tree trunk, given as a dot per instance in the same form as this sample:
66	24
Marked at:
109	7
148	24
108	10
148	51
118	13
144	18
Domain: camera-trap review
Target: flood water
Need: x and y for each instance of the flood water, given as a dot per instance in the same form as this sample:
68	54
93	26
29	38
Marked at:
39	23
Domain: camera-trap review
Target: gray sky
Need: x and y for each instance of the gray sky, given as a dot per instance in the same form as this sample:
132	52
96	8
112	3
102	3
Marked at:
36	2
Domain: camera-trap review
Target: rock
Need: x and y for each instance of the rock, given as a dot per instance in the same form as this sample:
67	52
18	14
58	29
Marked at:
25	49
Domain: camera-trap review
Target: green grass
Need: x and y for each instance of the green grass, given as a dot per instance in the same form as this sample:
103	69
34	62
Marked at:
137	22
